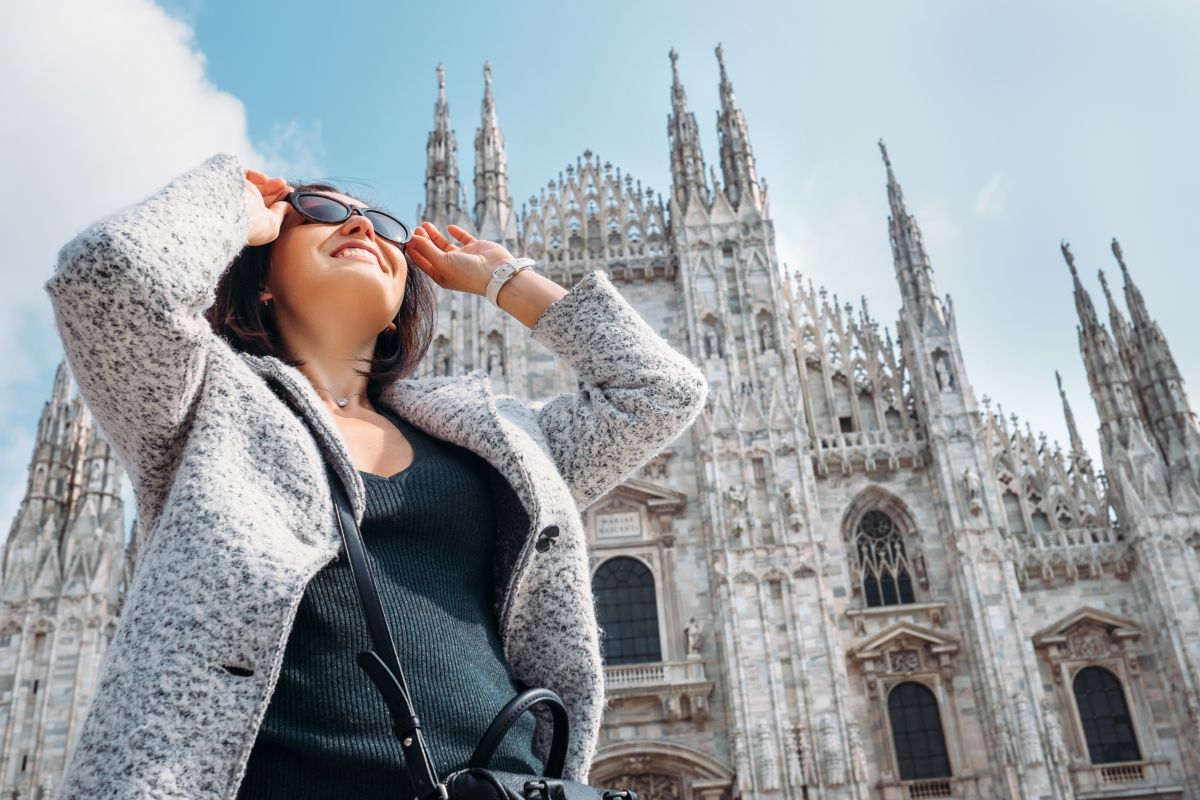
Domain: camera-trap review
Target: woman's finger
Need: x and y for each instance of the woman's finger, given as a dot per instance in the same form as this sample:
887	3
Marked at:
422	246
460	234
436	236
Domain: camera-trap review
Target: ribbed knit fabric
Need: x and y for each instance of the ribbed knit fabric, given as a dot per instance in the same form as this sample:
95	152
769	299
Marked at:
429	533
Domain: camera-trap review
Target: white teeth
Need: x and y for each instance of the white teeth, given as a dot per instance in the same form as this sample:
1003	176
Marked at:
352	250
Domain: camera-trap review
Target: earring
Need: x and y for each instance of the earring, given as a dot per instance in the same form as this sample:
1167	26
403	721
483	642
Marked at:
391	328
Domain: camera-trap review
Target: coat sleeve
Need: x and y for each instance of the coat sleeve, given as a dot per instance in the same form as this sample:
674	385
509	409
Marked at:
636	393
128	295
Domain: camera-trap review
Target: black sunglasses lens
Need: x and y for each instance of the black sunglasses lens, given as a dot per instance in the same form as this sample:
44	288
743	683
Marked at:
322	209
388	226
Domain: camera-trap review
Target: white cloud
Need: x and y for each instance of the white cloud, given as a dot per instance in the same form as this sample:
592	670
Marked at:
294	150
990	200
103	103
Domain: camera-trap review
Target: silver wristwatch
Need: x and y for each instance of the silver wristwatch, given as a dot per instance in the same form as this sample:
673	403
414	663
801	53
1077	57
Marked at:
502	273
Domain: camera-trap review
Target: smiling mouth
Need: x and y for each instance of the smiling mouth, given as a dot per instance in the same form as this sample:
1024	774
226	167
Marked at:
358	254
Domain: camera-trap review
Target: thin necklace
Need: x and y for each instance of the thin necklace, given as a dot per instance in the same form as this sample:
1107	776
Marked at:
341	402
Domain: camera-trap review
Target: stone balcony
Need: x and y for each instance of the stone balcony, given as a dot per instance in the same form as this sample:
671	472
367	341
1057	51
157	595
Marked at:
1130	779
681	687
867	451
1072	554
956	788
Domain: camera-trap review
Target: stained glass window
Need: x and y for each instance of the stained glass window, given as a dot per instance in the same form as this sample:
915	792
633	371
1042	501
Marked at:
883	568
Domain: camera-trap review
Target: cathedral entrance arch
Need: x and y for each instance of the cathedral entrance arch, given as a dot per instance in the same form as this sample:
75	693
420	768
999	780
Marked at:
662	770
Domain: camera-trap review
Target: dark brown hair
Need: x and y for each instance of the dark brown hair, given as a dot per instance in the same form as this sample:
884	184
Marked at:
249	326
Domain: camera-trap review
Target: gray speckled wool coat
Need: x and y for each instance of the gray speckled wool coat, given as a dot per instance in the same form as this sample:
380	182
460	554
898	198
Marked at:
234	499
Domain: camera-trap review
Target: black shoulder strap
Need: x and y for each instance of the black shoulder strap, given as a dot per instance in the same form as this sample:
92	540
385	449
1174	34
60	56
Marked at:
383	670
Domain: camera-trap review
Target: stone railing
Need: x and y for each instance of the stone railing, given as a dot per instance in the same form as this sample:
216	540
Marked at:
1072	553
1151	778
682	686
626	676
868	450
956	788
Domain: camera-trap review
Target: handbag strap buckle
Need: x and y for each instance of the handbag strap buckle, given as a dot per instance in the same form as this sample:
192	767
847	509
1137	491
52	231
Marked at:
545	789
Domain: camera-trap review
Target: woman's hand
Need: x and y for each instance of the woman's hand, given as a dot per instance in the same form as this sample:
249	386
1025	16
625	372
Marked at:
265	206
465	268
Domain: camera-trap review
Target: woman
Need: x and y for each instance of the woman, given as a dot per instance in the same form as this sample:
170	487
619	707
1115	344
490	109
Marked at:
225	444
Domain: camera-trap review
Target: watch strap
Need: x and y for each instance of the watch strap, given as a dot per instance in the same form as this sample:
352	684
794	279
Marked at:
502	274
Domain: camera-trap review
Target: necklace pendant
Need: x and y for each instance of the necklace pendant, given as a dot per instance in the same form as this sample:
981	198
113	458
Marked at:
342	401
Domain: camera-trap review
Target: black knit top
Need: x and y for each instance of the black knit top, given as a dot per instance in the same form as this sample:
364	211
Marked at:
429	531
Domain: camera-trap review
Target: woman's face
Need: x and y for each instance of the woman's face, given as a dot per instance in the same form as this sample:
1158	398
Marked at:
341	275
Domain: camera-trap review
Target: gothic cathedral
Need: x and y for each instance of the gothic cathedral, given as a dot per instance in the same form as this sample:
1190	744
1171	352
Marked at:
851	578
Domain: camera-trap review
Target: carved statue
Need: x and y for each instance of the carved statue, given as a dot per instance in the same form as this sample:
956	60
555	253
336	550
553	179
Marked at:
858	754
974	489
768	762
1007	745
1121	397
495	359
1031	751
692	633
741	761
766	340
791	498
944	379
831	752
1057	747
737	498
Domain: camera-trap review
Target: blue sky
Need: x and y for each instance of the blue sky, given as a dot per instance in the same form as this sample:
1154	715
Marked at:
1011	127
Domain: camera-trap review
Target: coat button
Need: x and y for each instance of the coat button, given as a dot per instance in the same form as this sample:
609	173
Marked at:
546	538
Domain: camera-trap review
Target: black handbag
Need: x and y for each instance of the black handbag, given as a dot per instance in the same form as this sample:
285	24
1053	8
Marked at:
476	781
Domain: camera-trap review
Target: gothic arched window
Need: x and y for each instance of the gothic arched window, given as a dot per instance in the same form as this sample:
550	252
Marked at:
883	568
917	733
627	611
1107	725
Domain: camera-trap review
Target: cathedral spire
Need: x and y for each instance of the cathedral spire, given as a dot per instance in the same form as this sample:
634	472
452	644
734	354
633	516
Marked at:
1133	296
443	188
1157	381
737	158
1077	449
1122	334
1088	320
913	270
687	161
494	217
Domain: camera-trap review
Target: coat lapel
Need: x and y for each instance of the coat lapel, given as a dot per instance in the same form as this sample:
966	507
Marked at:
460	410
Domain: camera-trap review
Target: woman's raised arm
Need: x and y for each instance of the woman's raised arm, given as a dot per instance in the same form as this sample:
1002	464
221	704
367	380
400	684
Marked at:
128	296
636	393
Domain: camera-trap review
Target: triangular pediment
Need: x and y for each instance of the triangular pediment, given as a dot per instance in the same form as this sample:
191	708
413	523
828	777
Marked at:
645	493
721	212
1086	617
904	633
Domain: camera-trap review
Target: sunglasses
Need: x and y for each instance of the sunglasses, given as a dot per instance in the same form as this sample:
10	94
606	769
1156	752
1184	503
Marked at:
322	208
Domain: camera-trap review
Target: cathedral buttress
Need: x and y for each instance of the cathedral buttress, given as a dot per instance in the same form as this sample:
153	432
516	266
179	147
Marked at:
1140	492
970	516
494	216
1158	386
64	571
758	485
